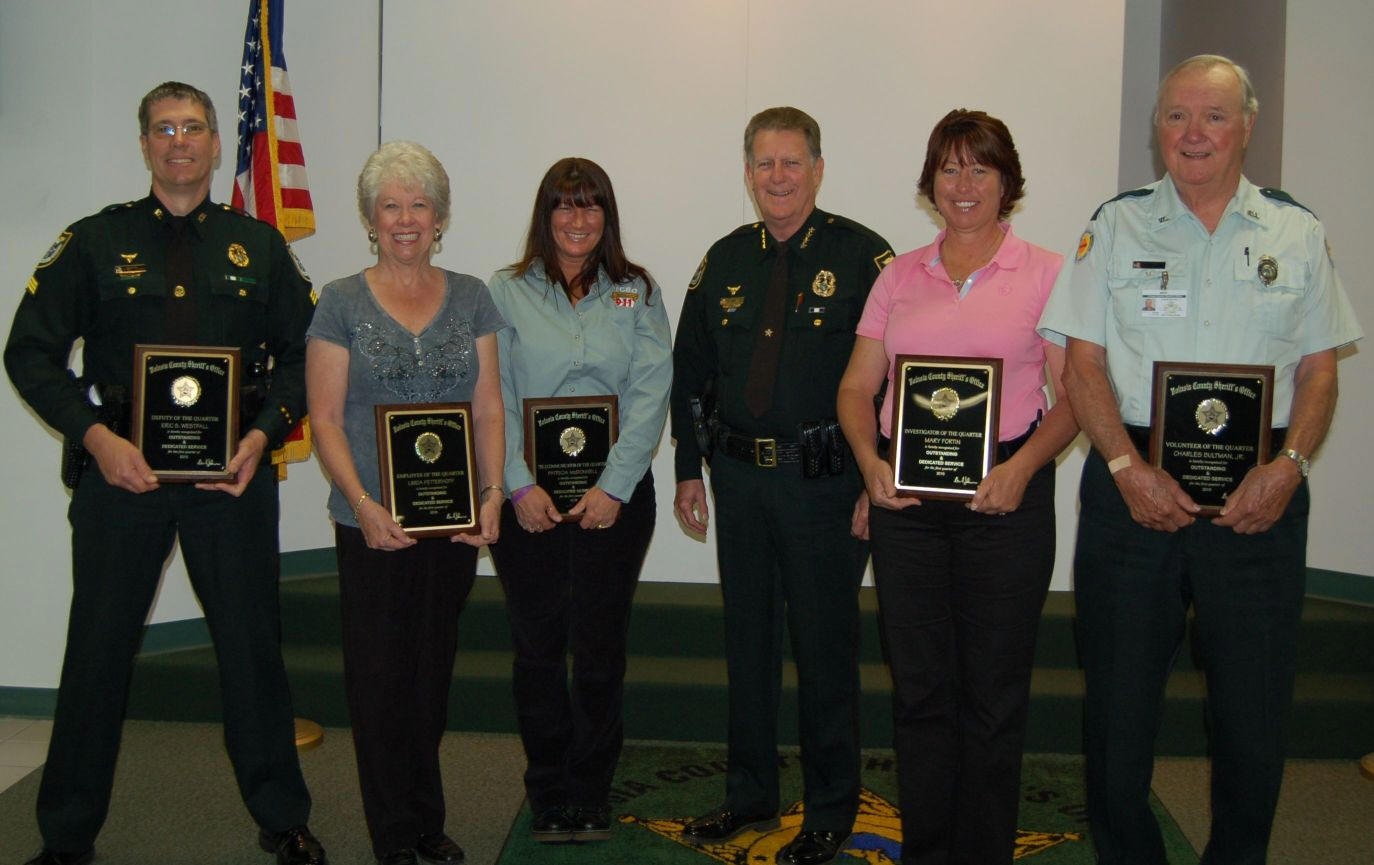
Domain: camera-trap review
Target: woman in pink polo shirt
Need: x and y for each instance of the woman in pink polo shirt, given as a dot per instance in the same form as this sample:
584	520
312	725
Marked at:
961	582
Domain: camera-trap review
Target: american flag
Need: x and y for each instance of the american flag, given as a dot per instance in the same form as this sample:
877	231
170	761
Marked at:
270	180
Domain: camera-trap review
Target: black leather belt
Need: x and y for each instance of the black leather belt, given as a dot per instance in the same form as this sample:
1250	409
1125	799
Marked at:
766	453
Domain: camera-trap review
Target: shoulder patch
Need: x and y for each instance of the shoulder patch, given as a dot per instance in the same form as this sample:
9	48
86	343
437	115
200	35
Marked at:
54	251
1085	243
696	277
1274	194
300	268
1130	193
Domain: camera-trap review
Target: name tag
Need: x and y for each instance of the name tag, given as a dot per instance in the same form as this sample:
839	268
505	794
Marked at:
1161	301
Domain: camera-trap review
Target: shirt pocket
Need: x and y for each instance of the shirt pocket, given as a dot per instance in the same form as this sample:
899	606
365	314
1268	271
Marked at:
239	301
1150	289
133	304
732	322
1276	306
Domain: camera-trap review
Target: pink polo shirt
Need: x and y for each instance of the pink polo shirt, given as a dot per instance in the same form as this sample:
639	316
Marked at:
913	309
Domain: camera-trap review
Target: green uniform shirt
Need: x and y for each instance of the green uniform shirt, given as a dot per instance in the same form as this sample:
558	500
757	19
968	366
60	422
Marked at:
833	262
103	281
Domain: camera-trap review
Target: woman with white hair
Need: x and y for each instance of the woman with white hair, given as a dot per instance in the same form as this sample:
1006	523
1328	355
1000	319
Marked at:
402	331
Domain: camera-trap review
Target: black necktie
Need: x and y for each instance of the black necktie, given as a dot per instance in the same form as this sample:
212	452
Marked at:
763	366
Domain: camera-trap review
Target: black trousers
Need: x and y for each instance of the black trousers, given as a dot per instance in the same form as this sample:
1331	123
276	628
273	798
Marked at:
784	550
400	634
960	595
569	590
1133	588
120	542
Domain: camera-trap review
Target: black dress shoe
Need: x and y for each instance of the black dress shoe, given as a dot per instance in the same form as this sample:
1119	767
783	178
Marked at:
399	857
52	857
439	849
293	847
723	824
591	824
552	825
812	848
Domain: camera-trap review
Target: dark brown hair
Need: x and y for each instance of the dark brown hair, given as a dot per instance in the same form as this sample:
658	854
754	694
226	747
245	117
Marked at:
581	183
974	136
176	90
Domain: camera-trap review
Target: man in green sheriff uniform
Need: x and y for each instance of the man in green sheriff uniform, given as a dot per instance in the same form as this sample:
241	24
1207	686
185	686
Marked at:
767	327
170	269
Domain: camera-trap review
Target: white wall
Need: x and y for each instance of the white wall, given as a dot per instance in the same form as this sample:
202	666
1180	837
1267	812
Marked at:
1327	127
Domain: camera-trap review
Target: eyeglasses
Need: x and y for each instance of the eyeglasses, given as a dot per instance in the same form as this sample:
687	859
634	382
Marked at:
193	129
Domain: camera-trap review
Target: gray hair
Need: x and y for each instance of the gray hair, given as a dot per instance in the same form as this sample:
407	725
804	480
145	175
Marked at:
407	164
783	119
175	90
1249	101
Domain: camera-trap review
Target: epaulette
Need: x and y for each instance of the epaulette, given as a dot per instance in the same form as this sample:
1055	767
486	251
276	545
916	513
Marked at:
122	206
747	228
1130	193
1275	194
237	211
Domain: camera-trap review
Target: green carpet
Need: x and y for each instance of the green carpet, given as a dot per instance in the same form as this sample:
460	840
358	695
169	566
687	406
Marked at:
660	786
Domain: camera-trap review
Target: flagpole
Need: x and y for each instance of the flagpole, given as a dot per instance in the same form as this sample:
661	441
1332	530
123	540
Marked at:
270	184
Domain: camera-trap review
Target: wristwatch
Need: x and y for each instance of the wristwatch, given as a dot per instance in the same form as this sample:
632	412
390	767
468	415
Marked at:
1303	463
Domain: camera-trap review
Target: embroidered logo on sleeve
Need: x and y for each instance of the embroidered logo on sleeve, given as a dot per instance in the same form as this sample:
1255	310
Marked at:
55	250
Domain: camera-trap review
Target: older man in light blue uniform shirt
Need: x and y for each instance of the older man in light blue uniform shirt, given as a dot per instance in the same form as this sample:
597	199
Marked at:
1201	266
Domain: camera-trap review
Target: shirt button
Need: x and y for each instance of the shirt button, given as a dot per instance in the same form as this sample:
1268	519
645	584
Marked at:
577	363
576	337
1207	324
132	290
180	291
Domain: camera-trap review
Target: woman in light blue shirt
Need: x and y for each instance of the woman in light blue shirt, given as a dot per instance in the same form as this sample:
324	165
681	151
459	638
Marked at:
584	321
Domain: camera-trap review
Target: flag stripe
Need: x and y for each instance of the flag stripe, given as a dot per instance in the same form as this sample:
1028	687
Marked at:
271	176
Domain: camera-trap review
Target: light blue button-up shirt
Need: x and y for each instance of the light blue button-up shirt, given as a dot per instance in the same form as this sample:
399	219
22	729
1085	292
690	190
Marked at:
1150	283
616	340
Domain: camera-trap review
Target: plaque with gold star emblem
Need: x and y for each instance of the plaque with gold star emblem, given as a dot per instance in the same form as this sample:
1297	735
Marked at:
1209	425
567	443
185	410
429	479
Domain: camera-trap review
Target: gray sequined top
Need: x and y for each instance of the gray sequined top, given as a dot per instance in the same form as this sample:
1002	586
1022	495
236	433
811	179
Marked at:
389	364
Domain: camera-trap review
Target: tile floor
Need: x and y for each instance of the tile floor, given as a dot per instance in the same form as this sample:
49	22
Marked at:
23	747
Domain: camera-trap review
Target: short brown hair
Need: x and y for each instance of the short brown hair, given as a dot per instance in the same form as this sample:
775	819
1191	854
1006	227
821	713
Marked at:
974	136
782	119
175	90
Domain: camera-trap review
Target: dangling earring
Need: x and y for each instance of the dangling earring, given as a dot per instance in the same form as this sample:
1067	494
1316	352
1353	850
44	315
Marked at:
372	240
438	242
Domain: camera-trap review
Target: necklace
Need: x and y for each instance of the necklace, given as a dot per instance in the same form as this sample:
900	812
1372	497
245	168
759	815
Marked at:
978	261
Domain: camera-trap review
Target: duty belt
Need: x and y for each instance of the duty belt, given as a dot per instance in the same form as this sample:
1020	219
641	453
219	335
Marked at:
766	453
